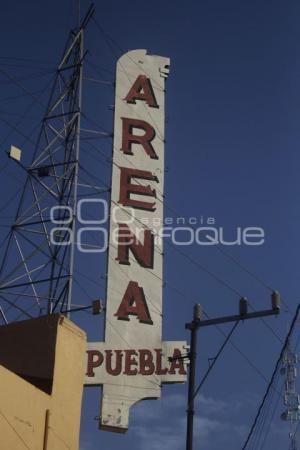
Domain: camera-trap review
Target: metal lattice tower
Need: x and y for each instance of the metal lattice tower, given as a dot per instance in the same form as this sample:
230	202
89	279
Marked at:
36	271
291	398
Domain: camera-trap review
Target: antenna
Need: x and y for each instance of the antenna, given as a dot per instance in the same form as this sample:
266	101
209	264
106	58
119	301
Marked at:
291	398
36	271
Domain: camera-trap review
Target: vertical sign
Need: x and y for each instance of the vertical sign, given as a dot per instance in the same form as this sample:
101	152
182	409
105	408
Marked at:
133	361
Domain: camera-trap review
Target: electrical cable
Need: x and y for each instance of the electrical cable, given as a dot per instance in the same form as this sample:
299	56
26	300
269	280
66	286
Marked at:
215	359
272	377
34	61
111	41
227	285
17	97
31	76
157	384
183	254
271	420
218	328
15	126
236	291
257	370
20	85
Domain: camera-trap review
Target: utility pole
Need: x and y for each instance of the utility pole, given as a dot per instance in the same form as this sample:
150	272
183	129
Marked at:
197	323
291	398
193	327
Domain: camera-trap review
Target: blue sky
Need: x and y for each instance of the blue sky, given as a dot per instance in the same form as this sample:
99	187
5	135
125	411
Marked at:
232	152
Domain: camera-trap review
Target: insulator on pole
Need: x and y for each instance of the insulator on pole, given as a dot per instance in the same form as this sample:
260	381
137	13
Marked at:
96	307
276	301
243	306
197	312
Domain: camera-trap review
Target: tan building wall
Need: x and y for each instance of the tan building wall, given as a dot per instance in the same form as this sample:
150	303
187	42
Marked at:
41	384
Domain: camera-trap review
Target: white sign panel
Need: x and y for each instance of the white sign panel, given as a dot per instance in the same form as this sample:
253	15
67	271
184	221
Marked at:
133	361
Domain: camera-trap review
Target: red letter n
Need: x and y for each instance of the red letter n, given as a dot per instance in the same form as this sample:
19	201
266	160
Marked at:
143	253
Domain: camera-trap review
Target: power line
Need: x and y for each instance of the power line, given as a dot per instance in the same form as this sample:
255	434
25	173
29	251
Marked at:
31	76
272	377
271	419
34	61
191	260
20	85
202	268
15	126
112	42
215	359
227	338
227	285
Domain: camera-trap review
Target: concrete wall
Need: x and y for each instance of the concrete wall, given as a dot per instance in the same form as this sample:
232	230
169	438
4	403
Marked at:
43	414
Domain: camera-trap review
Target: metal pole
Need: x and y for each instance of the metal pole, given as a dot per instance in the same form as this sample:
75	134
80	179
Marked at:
72	255
193	326
191	388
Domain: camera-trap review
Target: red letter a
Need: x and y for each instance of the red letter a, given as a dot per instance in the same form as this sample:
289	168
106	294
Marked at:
142	90
134	303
